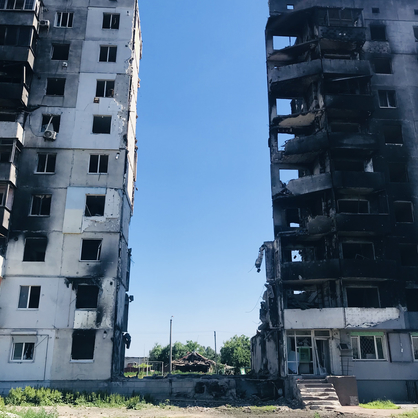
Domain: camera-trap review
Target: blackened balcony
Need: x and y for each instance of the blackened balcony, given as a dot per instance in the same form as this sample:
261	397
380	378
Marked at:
19	17
361	182
310	270
298	123
13	94
343	35
362	224
4	221
8	173
368	269
303	185
23	54
355	105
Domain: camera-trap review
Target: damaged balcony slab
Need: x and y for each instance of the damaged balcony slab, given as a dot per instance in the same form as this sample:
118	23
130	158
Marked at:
13	94
295	123
292	54
356	36
340	318
362	224
314	271
356	105
303	185
17	54
360	182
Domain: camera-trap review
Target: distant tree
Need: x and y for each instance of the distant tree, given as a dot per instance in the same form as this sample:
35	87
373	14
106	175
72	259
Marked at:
194	346
155	353
159	353
236	352
209	353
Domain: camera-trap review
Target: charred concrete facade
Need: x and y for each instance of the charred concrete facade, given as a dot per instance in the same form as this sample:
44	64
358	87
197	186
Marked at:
342	271
68	91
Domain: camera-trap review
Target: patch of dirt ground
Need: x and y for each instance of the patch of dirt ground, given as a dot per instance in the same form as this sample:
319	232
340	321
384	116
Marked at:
217	412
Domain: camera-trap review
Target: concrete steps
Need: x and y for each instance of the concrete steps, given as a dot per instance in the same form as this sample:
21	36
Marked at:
318	394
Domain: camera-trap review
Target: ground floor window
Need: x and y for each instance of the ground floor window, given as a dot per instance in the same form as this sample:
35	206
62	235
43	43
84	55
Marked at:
368	346
23	351
83	344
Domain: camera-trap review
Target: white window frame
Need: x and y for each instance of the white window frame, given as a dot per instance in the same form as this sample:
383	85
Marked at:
58	20
355	343
47	155
98	165
14	360
27	5
105	88
29	295
41	197
386	94
111	17
108	52
414	337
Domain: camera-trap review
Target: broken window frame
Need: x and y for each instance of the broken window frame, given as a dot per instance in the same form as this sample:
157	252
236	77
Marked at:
356	344
97	167
355	19
108	53
387	99
414	342
46	163
361	305
384	65
359	255
64	19
35	249
16	35
9	151
55	86
102	124
111	21
26	349
29	297
105	88
94	202
376	33
51	121
400	218
85	252
58	50
359	202
83	302
79	338
41	205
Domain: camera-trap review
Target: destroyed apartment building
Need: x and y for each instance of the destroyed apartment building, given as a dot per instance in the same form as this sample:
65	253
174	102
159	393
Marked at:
68	91
342	272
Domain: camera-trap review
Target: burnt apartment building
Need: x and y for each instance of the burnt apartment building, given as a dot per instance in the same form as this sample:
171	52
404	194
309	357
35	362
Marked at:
68	91
342	272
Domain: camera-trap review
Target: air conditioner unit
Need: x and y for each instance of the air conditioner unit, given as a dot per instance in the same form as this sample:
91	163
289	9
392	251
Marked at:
44	23
50	135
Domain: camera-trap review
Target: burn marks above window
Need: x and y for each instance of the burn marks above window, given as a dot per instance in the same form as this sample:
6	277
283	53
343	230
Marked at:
29	297
83	345
91	249
392	134
86	296
98	164
95	205
35	249
60	52
46	163
51	123
41	205
382	65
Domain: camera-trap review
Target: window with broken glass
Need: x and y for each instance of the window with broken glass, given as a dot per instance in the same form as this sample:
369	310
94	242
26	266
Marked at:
6	195
41	205
23	351
29	297
368	347
91	249
340	17
15	35
387	98
82	347
46	163
95	205
105	88
9	151
51	123
86	296
35	249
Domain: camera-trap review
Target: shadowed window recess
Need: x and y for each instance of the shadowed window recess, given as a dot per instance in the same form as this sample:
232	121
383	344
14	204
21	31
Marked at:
83	345
87	296
55	86
41	205
35	249
95	205
105	88
51	123
60	52
91	249
102	124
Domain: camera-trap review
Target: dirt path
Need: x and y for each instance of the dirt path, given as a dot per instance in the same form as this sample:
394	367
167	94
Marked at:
216	412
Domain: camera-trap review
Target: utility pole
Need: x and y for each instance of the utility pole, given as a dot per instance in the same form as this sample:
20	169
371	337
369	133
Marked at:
170	368
216	355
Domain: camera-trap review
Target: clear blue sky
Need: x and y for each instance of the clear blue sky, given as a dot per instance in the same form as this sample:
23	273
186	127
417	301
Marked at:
203	204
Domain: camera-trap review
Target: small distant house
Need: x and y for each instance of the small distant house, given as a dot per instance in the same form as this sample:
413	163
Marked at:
194	362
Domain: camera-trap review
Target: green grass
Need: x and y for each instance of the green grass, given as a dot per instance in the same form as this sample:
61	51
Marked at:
316	415
265	408
380	404
409	414
28	413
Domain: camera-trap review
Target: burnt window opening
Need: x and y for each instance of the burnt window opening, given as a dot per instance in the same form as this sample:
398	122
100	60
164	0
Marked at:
387	98
416	12
345	127
64	20
392	134
343	17
416	33
358	250
86	296
15	35
353	206
51	123
362	297
409	254
7	117
23	351
98	164
375	10
55	86
35	249
404	212
102	124
6	196
110	21
46	163
95	205
382	65
41	205
378	32
107	54
29	297
411	300
9	152
60	52
349	165
348	86
82	347
91	249
105	88
398	173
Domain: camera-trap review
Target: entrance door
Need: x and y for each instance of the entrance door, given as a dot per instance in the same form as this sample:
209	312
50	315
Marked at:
322	356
